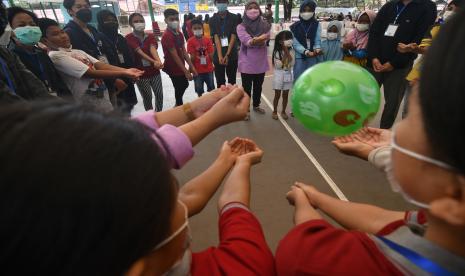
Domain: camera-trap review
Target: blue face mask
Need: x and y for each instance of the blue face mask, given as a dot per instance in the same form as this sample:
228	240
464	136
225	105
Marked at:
222	7
28	35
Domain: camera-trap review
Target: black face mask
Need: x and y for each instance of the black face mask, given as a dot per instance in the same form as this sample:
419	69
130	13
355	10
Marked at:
85	15
3	18
110	28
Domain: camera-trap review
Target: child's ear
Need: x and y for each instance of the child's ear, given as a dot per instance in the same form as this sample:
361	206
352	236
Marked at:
451	208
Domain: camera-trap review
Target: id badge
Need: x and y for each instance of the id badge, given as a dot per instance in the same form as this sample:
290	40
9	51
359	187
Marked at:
121	58
224	42
308	43
203	60
391	30
288	76
103	58
146	63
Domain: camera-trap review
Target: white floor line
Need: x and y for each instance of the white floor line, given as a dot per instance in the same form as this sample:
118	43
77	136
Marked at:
310	156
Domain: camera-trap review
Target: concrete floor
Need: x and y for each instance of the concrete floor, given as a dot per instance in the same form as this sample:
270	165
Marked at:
284	163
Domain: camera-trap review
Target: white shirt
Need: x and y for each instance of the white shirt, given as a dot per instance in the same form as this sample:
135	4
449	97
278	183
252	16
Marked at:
72	65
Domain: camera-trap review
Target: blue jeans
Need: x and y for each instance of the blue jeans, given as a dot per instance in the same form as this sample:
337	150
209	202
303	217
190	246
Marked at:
302	64
206	78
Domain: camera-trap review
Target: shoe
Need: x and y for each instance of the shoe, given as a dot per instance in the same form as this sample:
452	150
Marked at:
247	117
274	115
259	110
284	116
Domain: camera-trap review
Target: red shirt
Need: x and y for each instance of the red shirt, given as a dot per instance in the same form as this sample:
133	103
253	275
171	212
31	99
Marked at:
318	248
170	40
201	47
242	250
135	43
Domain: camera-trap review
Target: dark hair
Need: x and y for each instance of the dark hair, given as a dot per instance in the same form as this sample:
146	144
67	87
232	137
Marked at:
101	16
45	23
277	49
239	18
68	4
170	12
441	93
458	3
131	17
196	22
207	18
81	192
13	11
190	16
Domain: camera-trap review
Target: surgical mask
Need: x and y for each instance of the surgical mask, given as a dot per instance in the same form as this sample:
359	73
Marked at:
183	266
395	185
288	43
6	36
252	14
362	27
198	33
140	27
447	14
222	7
28	35
173	25
331	36
306	15
85	15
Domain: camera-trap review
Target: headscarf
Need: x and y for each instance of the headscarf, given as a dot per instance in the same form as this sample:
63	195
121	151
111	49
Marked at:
332	48
258	26
360	39
101	15
299	28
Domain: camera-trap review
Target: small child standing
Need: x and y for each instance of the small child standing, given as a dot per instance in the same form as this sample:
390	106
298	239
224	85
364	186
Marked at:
356	42
283	61
201	52
331	47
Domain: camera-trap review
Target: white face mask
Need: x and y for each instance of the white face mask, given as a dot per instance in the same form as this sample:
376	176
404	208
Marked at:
331	36
362	27
6	36
174	25
306	15
198	33
183	266
395	185
447	14
288	43
140	27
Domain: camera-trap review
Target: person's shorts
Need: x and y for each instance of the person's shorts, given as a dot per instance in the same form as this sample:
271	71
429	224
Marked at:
282	79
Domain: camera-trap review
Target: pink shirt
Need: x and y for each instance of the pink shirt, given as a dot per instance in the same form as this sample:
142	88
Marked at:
176	145
252	59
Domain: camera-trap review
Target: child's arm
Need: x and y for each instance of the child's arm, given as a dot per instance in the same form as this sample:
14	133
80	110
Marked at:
236	189
180	62
154	53
303	211
144	55
351	215
105	71
187	58
197	192
218	48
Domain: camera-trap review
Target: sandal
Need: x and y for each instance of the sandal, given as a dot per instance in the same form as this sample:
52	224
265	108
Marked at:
274	115
259	110
284	116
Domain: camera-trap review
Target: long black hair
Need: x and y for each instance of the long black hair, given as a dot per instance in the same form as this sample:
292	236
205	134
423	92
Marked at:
278	48
81	193
442	97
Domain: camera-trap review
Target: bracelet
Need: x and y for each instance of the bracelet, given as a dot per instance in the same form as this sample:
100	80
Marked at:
188	111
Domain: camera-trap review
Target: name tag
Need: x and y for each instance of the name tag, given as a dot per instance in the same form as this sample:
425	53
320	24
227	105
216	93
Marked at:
391	30
103	58
121	58
309	43
203	60
224	42
146	63
287	76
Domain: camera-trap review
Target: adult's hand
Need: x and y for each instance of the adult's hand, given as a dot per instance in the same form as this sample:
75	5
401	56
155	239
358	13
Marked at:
387	67
204	103
403	48
231	108
132	73
377	66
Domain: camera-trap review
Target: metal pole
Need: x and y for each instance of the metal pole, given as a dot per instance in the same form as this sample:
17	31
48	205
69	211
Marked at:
43	10
276	11
54	12
152	17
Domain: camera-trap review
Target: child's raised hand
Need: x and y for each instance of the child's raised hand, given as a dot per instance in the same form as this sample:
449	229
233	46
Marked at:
249	152
229	151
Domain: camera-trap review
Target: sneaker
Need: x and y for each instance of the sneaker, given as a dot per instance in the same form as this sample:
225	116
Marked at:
284	116
274	115
259	110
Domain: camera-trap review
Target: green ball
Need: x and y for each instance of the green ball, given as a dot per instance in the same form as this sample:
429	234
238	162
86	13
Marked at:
335	98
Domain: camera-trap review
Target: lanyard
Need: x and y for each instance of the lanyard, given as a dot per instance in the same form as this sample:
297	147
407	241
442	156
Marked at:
6	73
416	259
306	30
202	47
223	26
398	13
42	74
98	43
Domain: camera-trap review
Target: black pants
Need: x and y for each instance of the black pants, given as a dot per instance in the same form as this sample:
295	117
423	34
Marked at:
230	70
180	84
394	84
257	81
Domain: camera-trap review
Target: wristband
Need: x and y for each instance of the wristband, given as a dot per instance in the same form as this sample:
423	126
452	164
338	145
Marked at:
188	111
